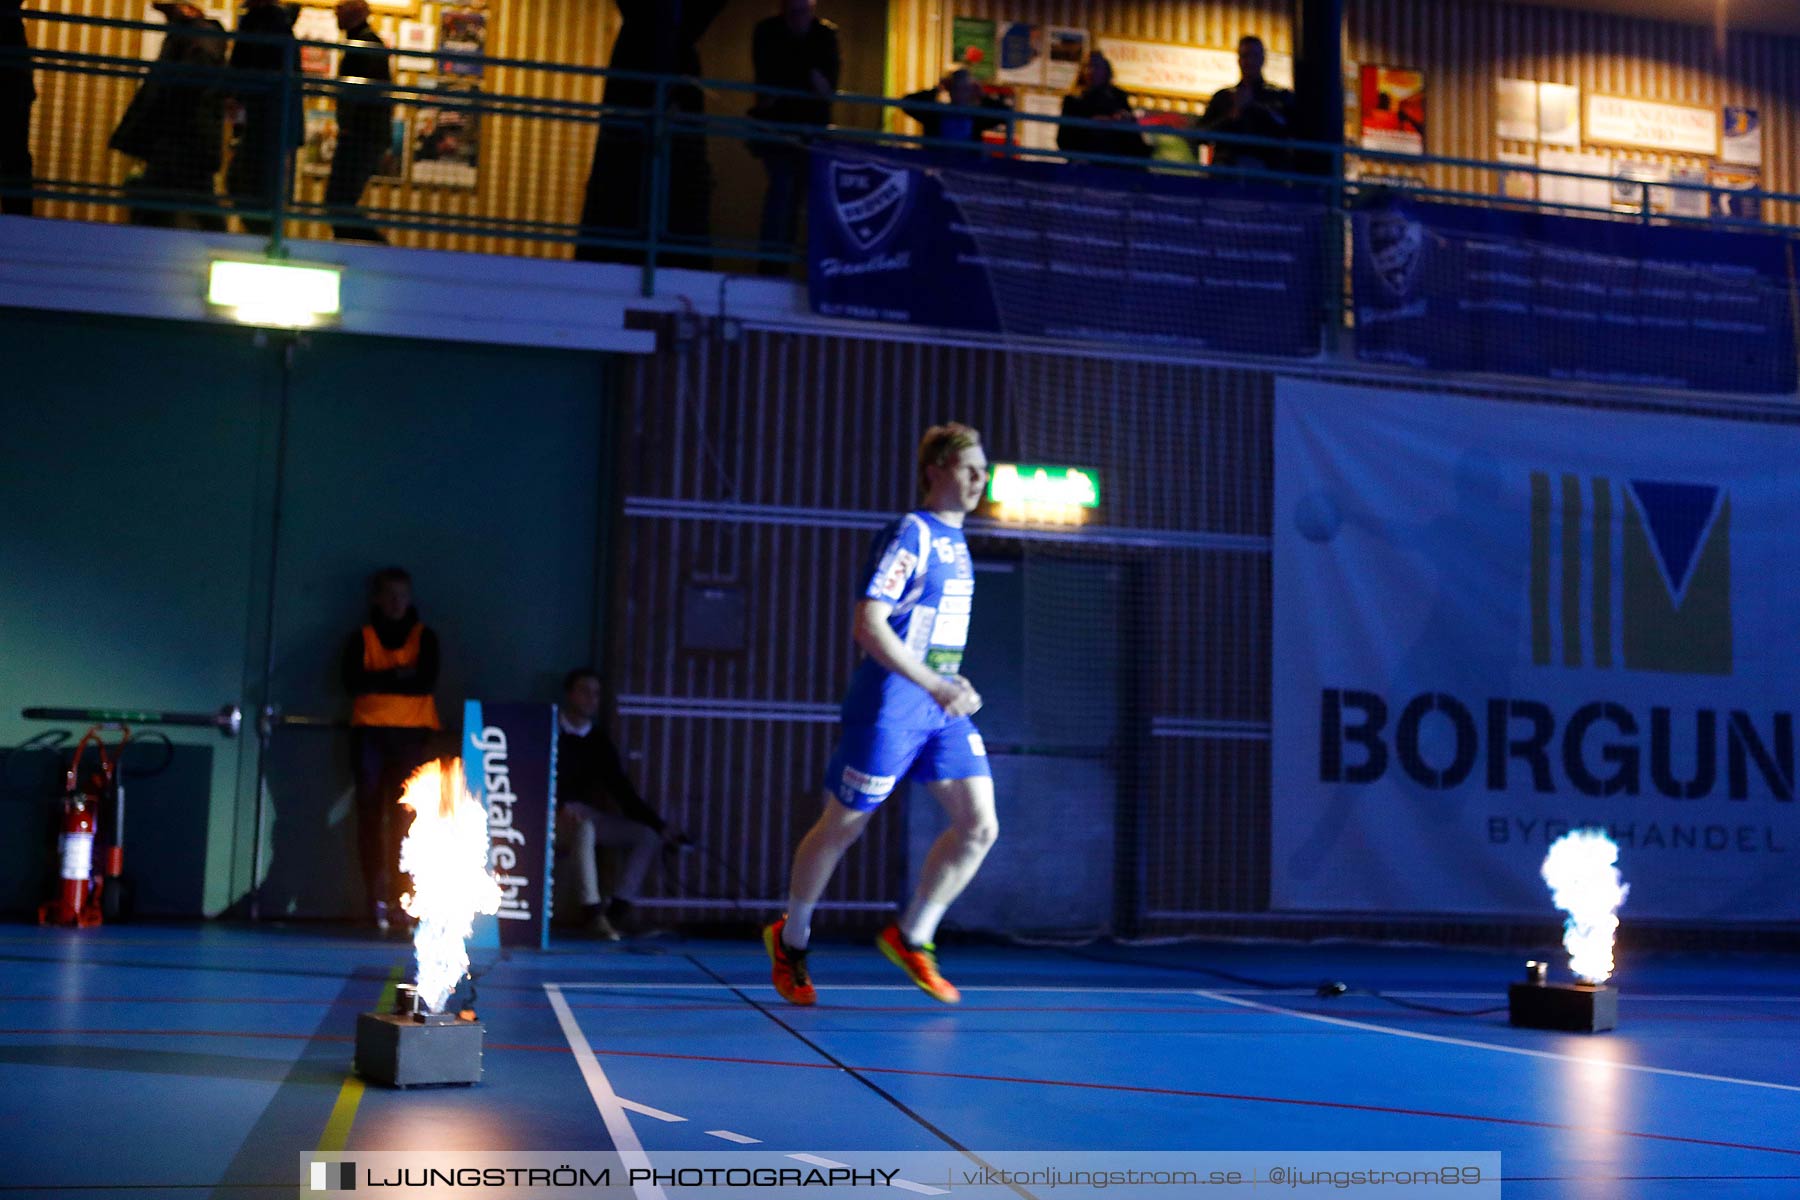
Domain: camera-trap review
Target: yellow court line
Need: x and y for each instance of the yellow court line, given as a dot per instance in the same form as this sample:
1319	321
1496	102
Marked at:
343	1112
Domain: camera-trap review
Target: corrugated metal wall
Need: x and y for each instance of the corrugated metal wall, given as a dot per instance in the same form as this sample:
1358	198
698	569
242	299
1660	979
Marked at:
764	464
1463	46
536	169
533	169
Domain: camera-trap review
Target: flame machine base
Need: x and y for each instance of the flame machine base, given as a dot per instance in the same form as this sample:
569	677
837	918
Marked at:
418	1049
1571	1007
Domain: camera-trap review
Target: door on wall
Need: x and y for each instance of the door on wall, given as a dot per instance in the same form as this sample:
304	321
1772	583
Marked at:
476	468
1045	652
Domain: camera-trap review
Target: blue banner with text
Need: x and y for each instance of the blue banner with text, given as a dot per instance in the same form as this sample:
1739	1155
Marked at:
1042	250
1448	287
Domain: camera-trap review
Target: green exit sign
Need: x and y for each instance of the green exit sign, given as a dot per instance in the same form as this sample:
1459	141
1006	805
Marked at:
1036	485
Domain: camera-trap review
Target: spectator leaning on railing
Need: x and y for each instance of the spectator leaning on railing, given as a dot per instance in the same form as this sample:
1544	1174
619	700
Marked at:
1097	99
255	167
16	95
1253	107
957	89
797	51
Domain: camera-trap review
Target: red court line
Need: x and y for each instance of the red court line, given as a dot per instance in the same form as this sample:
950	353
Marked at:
1160	1091
1136	1089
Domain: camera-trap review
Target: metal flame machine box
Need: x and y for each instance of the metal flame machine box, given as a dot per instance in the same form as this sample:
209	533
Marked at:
1574	1007
406	1049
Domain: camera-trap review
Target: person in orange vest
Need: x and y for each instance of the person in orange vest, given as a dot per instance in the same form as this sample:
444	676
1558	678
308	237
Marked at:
390	669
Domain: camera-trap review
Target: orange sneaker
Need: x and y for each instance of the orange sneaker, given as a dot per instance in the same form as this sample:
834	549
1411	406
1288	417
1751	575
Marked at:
792	981
919	963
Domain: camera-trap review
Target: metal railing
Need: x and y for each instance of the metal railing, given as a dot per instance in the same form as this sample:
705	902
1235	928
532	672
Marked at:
661	149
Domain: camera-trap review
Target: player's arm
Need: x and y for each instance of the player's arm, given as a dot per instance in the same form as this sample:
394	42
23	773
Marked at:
878	640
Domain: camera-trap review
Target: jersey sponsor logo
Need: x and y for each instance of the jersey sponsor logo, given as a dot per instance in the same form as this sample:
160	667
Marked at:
977	747
956	604
950	630
899	571
959	587
964	568
946	549
868	785
944	661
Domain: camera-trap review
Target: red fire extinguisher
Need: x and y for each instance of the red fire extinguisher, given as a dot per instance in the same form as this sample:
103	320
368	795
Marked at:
77	898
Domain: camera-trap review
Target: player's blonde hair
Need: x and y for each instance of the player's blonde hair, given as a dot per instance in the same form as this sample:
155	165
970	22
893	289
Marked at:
942	443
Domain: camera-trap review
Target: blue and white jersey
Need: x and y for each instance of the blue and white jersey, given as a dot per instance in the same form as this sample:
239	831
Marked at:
921	566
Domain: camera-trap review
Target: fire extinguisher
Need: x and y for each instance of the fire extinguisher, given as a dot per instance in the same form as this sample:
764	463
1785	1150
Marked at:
78	887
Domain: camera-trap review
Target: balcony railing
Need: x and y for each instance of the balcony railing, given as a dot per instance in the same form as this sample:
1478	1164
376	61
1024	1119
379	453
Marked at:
505	167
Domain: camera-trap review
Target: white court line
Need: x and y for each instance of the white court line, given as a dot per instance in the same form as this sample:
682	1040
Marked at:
905	1185
612	1109
590	986
739	1138
1521	1050
646	1111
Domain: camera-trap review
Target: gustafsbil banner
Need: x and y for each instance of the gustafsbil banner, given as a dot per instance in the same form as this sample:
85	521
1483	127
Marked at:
1066	252
1497	621
509	759
1456	288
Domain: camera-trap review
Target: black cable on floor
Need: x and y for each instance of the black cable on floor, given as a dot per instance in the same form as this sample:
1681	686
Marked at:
1325	990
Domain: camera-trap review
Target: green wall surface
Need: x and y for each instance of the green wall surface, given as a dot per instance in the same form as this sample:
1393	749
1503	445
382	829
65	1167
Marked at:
158	479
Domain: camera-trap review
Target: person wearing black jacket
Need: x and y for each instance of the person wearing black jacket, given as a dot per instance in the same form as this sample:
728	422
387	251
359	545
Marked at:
365	120
658	37
255	169
957	89
796	51
390	669
16	96
1253	107
176	123
1099	100
598	807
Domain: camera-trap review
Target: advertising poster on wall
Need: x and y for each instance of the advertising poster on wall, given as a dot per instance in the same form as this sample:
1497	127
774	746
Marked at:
1393	109
1065	51
1588	188
1442	710
1651	125
1741	145
1737	200
1162	69
317	25
972	45
1516	110
321	142
1021	54
447	145
420	38
463	31
1518	185
1559	114
1039	135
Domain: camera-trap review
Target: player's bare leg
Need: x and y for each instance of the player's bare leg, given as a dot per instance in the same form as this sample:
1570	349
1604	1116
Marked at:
815	859
954	858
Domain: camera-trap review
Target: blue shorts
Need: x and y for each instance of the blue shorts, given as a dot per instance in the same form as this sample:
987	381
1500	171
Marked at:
871	760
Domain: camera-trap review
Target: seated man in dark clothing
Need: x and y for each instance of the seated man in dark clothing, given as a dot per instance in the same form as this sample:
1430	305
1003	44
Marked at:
598	807
1254	107
1099	100
957	89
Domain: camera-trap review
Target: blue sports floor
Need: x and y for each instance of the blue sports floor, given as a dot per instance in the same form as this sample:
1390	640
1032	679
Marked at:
200	1061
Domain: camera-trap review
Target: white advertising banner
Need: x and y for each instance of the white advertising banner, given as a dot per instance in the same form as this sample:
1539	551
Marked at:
1648	125
1162	69
1499	621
